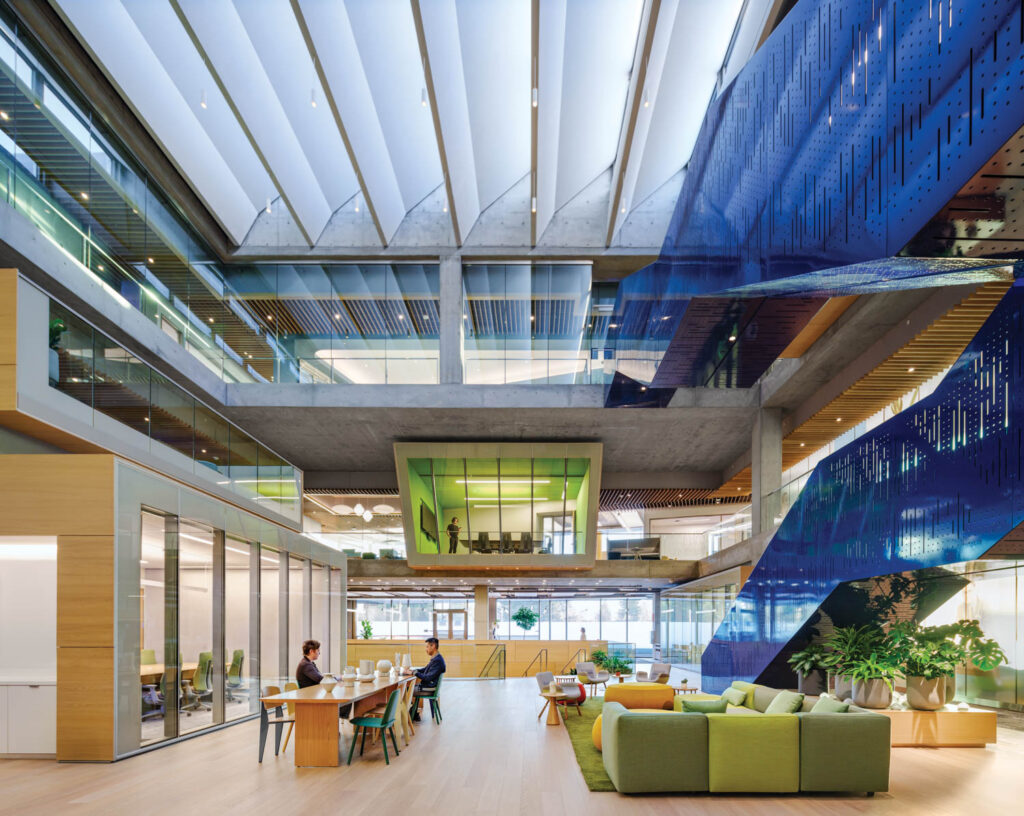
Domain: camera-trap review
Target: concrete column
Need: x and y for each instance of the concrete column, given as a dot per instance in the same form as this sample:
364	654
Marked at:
451	320
481	614
766	469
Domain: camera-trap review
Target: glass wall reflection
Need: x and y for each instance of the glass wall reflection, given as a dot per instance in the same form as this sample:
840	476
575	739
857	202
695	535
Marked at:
541	323
93	369
195	673
689	618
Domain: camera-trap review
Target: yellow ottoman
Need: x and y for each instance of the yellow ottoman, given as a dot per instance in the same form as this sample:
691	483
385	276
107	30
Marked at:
595	733
640	695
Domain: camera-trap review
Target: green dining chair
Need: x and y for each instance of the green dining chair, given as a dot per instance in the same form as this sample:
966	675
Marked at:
385	722
434	698
147	657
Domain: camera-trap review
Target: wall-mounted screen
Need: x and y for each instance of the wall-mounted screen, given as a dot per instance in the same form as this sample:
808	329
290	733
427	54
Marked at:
428	522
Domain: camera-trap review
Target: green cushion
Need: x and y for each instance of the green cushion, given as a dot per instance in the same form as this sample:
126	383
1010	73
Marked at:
734	696
746	688
785	702
642	751
705	706
754	754
677	701
844	752
830	705
742	710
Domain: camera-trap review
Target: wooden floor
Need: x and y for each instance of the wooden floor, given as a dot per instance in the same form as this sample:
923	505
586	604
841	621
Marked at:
491	755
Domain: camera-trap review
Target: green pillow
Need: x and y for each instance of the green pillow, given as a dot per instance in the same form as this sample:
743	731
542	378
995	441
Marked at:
785	702
734	696
704	706
746	688
830	705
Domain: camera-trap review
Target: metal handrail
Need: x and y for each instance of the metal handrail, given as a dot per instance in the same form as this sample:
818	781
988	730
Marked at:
574	660
497	656
543	665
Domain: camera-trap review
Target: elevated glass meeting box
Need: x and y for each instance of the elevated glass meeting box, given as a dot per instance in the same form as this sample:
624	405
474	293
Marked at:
494	504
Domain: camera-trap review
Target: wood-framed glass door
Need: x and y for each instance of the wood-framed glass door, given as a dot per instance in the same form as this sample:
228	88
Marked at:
450	624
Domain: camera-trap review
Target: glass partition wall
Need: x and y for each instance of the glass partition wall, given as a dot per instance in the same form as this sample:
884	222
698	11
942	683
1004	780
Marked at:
507	505
215	613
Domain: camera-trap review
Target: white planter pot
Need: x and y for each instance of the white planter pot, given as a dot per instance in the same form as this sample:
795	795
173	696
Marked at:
874	693
926	695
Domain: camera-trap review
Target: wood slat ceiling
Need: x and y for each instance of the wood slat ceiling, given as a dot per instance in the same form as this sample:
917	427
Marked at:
647	499
929	353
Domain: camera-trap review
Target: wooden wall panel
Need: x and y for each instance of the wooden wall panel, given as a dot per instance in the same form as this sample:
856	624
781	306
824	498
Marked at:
8	316
8	388
85	704
43	494
85	591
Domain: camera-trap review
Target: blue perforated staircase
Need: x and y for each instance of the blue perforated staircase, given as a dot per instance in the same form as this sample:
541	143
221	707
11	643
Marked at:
937	484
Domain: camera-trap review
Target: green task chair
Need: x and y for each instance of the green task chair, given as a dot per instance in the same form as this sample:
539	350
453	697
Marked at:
147	657
234	684
202	680
434	698
385	722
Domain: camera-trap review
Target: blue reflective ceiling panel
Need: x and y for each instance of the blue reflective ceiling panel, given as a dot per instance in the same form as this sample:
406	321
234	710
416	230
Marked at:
936	484
849	129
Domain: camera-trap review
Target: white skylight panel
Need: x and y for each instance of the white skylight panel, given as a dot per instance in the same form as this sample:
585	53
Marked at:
494	39
119	47
226	42
600	40
385	36
167	37
278	41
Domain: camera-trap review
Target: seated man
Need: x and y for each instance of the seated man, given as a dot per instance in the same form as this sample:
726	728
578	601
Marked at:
307	674
428	676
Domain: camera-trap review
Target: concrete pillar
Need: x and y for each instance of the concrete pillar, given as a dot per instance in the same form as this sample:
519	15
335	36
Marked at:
481	615
766	469
451	320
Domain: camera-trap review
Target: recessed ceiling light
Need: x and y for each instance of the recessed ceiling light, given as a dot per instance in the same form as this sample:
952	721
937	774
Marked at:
839	419
149	260
210	319
85	196
4	116
732	338
802	444
910	370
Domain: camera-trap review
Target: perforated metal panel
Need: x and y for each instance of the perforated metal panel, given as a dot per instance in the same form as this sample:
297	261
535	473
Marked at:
849	129
936	484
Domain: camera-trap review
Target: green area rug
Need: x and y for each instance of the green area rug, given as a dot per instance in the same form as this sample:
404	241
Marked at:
588	757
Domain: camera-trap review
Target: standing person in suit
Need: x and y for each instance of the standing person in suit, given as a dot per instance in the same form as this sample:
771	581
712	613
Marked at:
453	536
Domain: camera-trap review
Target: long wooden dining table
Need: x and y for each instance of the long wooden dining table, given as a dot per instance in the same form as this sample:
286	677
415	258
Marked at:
316	715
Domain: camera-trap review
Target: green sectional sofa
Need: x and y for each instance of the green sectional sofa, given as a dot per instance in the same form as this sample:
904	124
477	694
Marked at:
686	752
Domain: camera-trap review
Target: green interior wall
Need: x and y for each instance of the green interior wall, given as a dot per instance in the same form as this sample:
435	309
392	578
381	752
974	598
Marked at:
420	490
582	507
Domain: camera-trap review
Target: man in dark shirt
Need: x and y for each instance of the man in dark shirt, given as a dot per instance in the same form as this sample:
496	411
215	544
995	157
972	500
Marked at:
307	674
428	677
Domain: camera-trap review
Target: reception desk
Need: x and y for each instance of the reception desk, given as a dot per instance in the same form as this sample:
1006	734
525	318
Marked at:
467	658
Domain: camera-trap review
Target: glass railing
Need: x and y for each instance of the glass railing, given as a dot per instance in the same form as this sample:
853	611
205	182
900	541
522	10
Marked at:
88	366
368	544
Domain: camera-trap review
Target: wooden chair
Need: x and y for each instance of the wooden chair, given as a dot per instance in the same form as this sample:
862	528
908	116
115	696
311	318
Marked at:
279	720
291	714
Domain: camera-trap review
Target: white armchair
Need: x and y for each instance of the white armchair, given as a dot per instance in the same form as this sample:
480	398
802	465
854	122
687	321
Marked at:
588	673
658	673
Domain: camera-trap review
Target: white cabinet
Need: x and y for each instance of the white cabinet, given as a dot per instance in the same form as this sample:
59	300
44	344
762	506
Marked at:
3	719
31	719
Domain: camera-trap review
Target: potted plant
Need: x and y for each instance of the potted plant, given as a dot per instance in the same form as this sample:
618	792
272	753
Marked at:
367	628
872	679
525	618
847	644
972	647
810	665
927	656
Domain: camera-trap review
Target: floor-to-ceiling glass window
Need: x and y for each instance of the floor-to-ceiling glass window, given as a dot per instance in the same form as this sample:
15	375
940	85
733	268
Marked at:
298	606
240	592
157	632
339	622
320	603
195	625
271	670
584	616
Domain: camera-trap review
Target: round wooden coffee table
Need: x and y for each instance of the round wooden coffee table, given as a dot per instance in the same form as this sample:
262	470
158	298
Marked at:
552	698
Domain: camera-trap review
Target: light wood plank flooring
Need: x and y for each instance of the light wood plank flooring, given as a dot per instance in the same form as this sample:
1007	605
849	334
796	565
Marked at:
490	756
